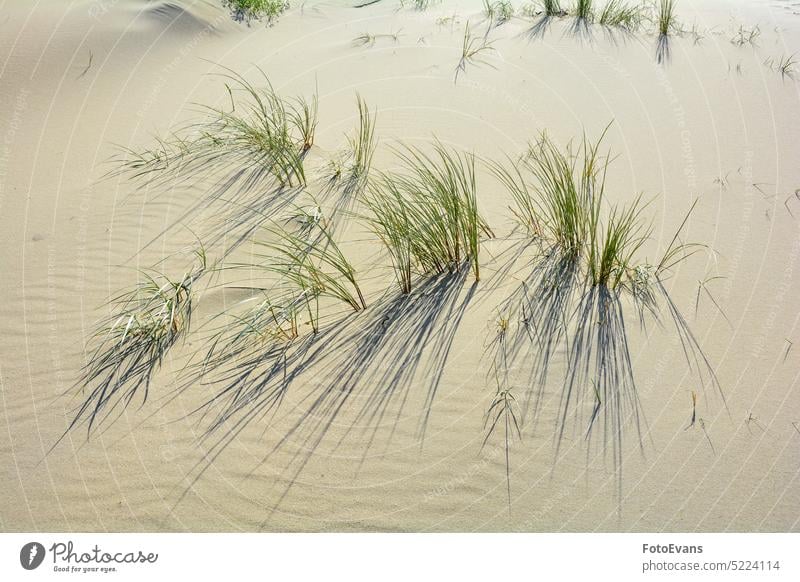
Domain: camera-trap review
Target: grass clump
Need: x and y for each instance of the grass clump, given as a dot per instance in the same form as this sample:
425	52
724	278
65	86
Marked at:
619	14
131	344
613	245
559	197
498	11
427	216
262	134
787	66
745	36
248	10
561	205
553	8
584	10
665	17
314	266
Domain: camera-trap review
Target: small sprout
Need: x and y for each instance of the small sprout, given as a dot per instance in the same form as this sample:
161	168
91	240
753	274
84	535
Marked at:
746	36
785	65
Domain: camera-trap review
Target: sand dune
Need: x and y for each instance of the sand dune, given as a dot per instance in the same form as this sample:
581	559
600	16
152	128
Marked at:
394	441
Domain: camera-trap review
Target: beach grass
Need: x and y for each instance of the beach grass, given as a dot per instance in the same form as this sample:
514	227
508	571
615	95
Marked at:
314	266
259	131
427	214
498	11
362	144
584	10
559	199
665	17
304	116
474	50
258	9
132	343
614	244
617	13
419	4
367	39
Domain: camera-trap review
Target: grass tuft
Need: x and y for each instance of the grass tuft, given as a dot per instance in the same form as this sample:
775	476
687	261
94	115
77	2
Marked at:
584	10
145	323
362	145
787	66
261	133
559	197
427	215
552	8
498	11
248	10
313	265
418	4
665	17
613	245
619	14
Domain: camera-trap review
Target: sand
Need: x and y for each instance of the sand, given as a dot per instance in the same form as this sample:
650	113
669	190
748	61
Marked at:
716	122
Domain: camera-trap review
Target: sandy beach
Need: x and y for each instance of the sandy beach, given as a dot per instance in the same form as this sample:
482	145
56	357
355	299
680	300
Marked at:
382	419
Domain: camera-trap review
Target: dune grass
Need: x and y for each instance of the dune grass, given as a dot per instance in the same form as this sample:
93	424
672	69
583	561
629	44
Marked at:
474	50
258	9
132	343
614	244
366	39
363	144
665	17
498	11
584	10
567	193
745	36
503	413
313	265
419	4
559	199
427	214
262	132
617	13
552	8
304	116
